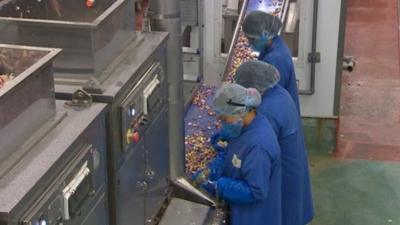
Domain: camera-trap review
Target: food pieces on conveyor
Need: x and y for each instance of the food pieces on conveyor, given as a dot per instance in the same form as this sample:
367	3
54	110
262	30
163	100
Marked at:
198	152
197	141
199	127
200	99
241	53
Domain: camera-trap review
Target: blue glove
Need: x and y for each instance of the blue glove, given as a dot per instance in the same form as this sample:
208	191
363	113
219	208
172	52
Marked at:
234	191
215	138
200	176
196	174
210	187
217	166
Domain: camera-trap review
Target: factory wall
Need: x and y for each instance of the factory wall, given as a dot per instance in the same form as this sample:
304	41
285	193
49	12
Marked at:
321	103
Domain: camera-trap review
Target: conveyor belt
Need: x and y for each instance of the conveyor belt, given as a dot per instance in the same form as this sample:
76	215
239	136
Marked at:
200	121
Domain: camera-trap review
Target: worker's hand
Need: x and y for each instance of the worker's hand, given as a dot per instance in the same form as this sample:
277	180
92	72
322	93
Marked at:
200	176
210	187
236	192
218	142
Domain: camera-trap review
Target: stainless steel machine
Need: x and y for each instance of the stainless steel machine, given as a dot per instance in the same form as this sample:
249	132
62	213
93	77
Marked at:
56	174
143	165
91	36
137	128
103	55
188	205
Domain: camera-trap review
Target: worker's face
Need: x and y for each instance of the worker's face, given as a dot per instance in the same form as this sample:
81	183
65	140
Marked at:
258	44
231	126
230	119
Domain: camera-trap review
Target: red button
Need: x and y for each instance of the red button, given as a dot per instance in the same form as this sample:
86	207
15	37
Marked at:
135	137
89	3
132	136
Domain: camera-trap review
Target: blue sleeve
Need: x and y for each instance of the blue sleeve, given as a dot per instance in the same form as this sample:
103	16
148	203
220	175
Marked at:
234	191
217	166
254	185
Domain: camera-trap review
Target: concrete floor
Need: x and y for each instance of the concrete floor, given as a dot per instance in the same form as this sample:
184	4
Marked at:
355	192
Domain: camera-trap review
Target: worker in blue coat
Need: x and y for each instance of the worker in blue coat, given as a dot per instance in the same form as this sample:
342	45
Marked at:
279	108
261	30
247	174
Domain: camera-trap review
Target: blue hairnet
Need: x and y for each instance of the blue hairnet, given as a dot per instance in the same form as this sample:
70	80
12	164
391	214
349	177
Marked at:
233	99
258	23
257	74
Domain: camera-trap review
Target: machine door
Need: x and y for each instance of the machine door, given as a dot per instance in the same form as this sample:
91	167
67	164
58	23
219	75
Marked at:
97	215
131	188
157	166
72	196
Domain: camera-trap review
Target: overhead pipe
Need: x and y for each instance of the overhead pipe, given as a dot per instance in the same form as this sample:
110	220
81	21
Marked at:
165	16
313	57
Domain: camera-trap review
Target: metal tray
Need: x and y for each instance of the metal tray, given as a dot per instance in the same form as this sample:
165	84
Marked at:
90	37
27	101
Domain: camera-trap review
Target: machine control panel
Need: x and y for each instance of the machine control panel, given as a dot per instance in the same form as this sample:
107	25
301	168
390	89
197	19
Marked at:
141	104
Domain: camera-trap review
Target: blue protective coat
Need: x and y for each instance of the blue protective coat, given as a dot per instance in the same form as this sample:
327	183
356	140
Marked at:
278	54
250	177
308	206
278	106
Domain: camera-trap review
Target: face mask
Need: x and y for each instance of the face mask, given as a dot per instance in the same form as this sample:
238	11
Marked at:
231	130
259	44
